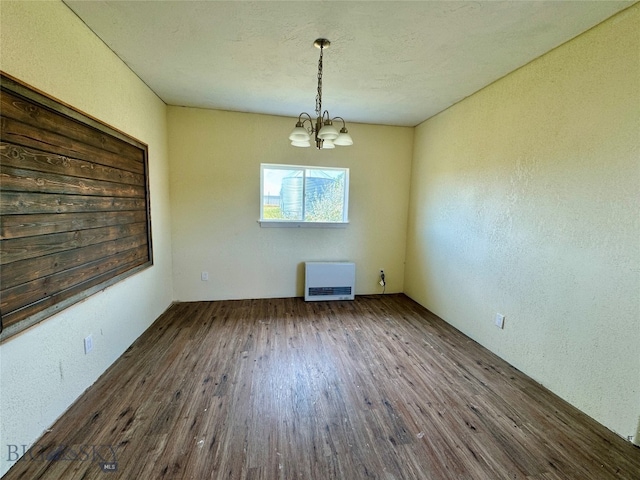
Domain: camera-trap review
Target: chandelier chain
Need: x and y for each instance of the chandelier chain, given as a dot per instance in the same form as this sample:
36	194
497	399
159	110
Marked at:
319	95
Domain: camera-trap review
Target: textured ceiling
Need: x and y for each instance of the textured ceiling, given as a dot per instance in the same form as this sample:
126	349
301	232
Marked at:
394	63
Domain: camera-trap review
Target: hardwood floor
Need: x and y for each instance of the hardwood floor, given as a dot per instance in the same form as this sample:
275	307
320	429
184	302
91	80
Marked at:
283	389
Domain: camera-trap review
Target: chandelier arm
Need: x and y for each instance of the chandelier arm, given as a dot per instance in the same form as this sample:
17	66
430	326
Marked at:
309	119
344	124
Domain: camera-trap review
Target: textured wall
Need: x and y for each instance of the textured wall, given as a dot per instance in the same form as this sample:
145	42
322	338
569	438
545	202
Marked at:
215	189
44	369
525	201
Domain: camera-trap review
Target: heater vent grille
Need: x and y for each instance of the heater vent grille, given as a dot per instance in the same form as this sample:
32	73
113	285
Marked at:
315	291
329	281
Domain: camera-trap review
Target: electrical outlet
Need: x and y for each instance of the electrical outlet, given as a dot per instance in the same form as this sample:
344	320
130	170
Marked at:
383	280
204	276
499	320
88	344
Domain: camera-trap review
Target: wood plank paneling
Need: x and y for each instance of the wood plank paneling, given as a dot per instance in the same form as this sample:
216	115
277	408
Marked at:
29	181
17	249
377	388
31	159
17	226
16	316
75	206
32	114
18	133
50	285
30	269
14	203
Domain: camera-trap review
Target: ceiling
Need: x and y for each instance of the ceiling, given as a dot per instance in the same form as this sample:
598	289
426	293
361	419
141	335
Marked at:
392	63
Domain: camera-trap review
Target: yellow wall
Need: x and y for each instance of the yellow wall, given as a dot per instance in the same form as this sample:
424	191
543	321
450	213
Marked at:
215	190
44	369
525	200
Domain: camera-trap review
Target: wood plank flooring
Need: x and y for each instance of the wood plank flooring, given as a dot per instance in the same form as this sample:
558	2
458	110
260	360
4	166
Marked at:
377	388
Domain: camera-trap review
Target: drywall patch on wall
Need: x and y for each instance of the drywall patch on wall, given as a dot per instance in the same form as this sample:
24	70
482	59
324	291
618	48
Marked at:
524	202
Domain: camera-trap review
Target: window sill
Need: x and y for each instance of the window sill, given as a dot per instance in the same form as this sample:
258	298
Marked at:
295	224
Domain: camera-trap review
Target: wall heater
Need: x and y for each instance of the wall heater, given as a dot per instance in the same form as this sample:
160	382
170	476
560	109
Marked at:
329	281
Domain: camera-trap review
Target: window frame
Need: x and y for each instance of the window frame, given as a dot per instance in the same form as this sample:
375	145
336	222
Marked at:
265	222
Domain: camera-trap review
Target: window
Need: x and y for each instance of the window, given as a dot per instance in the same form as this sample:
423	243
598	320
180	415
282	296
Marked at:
293	195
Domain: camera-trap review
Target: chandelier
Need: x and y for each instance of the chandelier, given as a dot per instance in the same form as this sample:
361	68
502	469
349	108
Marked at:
326	135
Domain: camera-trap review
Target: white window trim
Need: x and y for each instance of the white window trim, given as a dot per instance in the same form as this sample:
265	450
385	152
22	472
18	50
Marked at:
279	223
298	224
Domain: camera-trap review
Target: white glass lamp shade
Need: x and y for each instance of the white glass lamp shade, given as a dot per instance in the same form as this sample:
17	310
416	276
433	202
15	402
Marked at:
328	132
301	143
299	134
327	144
343	139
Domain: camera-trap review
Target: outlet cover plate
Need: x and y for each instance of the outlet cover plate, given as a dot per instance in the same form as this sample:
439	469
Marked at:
499	320
88	344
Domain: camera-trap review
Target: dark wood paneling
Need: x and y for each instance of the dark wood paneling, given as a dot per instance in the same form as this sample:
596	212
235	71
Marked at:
32	159
17	249
280	389
75	206
30	181
32	114
18	133
33	268
16	226
14	203
32	309
14	298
